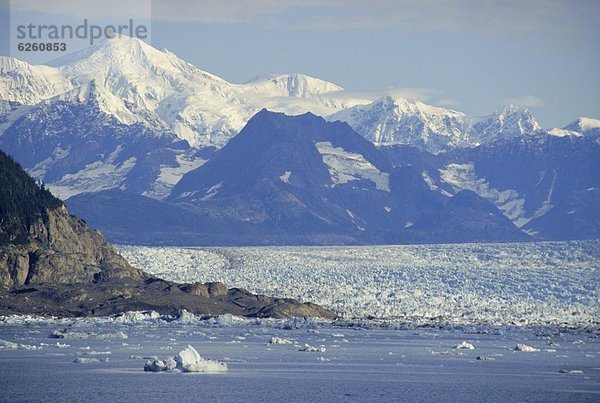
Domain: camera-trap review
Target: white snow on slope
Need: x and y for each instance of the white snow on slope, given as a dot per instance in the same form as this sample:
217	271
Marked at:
94	177
285	178
345	166
580	127
463	177
563	133
212	191
170	175
394	120
431	184
509	123
295	85
90	93
589	123
26	84
521	284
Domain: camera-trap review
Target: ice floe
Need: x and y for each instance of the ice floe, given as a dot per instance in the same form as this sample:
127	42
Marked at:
280	340
464	346
188	360
525	348
66	334
312	349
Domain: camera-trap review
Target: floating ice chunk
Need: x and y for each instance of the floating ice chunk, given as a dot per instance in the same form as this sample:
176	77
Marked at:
155	366
188	360
9	345
279	340
464	346
186	317
571	372
65	334
171	364
309	348
485	358
225	320
137	316
526	348
85	360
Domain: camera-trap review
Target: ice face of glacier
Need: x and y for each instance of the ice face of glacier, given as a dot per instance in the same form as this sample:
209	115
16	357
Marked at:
507	283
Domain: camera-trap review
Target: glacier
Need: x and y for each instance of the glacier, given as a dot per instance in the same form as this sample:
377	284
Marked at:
521	284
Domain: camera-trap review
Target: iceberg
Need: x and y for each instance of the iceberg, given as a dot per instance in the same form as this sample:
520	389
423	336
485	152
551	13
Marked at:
188	360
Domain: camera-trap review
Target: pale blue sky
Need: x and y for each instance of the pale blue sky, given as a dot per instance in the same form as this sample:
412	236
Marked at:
472	56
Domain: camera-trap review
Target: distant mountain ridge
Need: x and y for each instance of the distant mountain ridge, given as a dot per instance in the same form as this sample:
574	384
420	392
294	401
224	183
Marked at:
303	180
160	117
390	120
134	122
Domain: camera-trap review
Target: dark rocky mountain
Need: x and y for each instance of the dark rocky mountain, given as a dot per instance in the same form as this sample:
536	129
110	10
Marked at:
52	263
40	242
546	185
299	180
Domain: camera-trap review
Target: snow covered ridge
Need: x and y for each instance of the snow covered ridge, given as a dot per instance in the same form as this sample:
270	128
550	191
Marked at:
156	88
549	283
345	166
393	120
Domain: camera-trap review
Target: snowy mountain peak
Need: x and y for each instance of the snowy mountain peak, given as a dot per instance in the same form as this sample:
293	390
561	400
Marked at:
27	84
294	85
583	124
399	121
511	122
522	114
511	109
580	127
10	64
588	123
126	56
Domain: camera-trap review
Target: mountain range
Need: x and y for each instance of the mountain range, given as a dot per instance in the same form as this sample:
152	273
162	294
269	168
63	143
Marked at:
123	130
